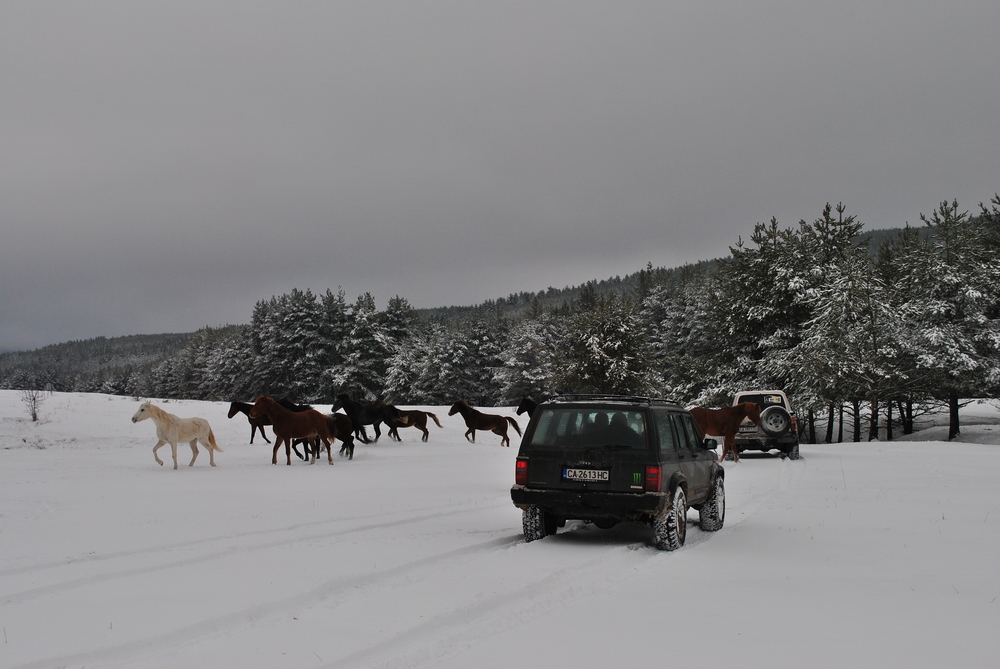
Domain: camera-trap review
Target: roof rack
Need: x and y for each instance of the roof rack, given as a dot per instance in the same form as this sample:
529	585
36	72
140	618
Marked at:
608	397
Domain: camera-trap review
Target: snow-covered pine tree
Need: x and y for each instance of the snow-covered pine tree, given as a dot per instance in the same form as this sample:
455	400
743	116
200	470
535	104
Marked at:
365	353
950	306
528	360
605	350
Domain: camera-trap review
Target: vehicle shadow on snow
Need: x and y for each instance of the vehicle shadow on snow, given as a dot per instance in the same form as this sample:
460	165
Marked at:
629	534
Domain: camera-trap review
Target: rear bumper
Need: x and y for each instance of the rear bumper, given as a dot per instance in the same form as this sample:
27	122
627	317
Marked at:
587	505
763	442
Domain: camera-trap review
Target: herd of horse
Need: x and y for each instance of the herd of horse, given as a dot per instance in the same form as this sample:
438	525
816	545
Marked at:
300	424
297	425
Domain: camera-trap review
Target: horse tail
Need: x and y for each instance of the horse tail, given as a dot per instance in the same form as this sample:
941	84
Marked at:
514	423
435	418
211	441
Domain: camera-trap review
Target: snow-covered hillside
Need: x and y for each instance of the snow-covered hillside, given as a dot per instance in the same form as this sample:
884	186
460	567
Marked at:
411	555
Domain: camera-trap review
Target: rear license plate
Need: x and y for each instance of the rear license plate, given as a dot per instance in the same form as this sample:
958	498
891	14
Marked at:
748	428
570	474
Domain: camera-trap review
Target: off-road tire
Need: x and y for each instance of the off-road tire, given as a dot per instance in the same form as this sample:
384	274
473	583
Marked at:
533	523
775	421
712	513
670	528
793	452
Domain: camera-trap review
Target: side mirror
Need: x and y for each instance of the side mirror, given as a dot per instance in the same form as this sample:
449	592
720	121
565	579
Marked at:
711	444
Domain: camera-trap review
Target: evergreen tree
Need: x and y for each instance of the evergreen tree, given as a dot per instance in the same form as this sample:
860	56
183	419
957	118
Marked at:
605	351
366	352
952	284
528	360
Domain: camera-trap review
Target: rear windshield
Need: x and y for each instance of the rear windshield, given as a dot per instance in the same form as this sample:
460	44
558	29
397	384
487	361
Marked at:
762	400
589	428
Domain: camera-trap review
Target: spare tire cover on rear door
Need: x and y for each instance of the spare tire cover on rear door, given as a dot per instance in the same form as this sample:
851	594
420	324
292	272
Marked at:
775	421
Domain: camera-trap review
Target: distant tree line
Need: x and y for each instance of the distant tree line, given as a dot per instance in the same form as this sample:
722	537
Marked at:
881	329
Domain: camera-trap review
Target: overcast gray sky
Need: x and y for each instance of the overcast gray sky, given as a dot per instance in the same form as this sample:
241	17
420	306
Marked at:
164	165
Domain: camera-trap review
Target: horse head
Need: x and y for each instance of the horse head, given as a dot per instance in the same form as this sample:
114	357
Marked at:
234	408
261	406
527	404
143	413
342	401
292	406
753	412
459	405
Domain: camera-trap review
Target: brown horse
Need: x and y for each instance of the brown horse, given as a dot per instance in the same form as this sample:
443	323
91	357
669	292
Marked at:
259	422
288	425
412	418
725	423
476	420
344	433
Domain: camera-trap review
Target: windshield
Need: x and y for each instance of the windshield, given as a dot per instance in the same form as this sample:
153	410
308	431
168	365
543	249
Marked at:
585	428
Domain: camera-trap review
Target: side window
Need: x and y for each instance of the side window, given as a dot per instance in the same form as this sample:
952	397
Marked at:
686	427
665	429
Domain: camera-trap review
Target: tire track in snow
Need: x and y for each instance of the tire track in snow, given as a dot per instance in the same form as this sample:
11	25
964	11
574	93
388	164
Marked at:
22	596
218	625
462	628
164	548
456	631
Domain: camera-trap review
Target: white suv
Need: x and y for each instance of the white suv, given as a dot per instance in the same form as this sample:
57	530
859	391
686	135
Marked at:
777	424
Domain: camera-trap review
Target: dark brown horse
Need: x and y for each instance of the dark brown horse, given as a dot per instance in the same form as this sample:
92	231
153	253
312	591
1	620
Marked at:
288	425
725	423
411	418
477	420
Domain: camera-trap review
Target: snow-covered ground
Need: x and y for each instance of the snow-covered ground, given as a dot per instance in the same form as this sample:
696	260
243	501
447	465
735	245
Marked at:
411	555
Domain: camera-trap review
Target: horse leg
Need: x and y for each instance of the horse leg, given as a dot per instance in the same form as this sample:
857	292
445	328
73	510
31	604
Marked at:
426	432
329	453
288	452
211	453
194	451
502	431
471	431
158	444
729	446
305	448
348	446
277	445
173	452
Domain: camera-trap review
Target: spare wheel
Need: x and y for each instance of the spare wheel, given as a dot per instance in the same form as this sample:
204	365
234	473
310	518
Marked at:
775	421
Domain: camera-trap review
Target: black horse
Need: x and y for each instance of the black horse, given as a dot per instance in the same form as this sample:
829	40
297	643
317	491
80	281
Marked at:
367	414
257	423
527	405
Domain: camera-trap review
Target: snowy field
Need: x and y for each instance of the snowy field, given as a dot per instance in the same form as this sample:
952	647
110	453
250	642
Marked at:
411	555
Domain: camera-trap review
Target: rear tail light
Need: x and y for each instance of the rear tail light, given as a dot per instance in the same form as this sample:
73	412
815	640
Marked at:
654	474
794	426
521	472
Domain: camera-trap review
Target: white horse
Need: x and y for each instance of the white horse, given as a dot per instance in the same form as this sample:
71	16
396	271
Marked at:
171	429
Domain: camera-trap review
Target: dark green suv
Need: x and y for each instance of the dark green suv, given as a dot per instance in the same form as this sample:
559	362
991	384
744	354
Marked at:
608	458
